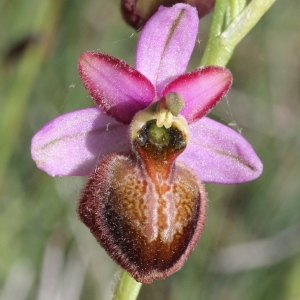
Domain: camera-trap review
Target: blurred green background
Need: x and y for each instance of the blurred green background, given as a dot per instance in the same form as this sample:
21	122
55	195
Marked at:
250	248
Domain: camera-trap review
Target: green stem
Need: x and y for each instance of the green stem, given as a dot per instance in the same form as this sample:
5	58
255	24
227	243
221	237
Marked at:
127	288
238	29
220	45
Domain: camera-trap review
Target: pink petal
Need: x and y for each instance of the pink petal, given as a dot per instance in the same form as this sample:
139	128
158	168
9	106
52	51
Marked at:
71	144
166	44
201	90
115	86
219	154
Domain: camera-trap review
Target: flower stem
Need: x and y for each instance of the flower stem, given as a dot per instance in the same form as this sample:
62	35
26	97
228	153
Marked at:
127	288
221	43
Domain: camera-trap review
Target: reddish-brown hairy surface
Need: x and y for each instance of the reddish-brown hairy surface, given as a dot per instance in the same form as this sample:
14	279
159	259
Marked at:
146	211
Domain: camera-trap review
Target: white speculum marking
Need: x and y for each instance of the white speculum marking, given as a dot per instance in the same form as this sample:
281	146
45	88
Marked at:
160	212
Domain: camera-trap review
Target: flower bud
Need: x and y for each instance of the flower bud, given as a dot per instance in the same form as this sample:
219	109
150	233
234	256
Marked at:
146	210
137	12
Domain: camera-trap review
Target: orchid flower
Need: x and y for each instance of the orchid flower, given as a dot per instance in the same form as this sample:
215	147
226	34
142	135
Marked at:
148	146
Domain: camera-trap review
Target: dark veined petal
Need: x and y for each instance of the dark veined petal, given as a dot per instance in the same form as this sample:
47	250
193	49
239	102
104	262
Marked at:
115	86
166	44
71	144
219	154
201	90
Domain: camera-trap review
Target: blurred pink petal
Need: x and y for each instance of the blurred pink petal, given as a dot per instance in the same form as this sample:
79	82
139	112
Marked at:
115	86
166	44
219	154
201	90
71	144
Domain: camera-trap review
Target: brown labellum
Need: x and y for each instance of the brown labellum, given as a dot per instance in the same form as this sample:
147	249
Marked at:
144	209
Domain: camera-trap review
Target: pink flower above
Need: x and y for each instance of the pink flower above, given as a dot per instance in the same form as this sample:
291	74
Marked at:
71	144
144	208
137	12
